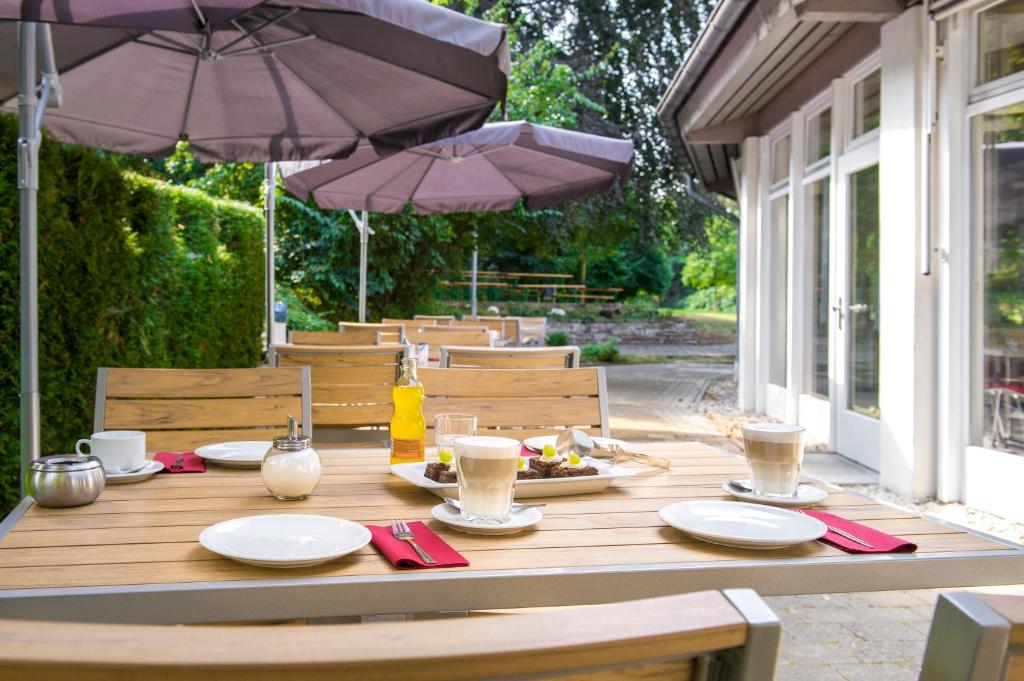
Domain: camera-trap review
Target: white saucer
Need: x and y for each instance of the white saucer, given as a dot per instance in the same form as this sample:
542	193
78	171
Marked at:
519	521
806	495
284	540
537	443
742	525
149	470
243	454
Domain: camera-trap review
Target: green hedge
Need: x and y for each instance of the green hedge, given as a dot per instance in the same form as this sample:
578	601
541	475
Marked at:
132	272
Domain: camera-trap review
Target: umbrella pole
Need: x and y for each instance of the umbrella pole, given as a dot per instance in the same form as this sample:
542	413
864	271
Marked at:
472	280
269	199
28	186
364	241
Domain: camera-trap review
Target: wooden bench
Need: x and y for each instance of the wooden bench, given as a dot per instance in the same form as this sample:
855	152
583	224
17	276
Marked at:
351	395
180	409
566	356
520	403
975	637
356	337
731	634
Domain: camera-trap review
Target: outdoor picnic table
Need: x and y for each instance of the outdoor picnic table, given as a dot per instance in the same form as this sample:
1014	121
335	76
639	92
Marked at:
132	556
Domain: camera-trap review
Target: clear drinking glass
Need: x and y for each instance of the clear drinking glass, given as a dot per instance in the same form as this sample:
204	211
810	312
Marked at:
447	427
486	468
775	452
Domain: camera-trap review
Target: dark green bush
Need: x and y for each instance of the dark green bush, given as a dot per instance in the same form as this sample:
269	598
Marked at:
131	273
558	338
600	353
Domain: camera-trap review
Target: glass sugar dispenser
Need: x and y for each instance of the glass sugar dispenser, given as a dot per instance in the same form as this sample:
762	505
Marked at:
291	467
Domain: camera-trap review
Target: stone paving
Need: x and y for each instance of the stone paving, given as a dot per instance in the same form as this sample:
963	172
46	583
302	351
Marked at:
875	636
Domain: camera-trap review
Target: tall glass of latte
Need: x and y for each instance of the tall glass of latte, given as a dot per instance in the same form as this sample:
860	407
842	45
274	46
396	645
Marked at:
775	452
487	476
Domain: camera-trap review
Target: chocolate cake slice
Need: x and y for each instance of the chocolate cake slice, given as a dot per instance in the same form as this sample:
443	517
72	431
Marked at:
545	468
440	472
528	474
565	472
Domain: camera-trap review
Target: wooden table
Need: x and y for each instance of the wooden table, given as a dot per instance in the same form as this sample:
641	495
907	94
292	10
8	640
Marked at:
133	555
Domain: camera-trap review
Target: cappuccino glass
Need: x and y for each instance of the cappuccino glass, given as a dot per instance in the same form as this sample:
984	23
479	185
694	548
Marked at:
487	469
121	451
775	452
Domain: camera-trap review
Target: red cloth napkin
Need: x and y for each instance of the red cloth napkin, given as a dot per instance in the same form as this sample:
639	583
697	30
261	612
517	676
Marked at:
190	463
882	542
401	553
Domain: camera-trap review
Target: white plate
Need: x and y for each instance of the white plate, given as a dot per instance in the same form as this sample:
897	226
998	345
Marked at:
245	454
537	443
806	495
738	524
525	489
284	540
519	521
149	470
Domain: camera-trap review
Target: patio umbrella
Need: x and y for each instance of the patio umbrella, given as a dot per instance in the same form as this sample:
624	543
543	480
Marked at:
490	169
241	80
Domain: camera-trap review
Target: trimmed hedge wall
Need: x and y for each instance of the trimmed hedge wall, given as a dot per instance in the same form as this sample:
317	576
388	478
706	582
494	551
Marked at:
132	272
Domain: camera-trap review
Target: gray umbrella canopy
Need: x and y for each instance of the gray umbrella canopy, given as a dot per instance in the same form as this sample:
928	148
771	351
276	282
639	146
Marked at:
489	169
244	80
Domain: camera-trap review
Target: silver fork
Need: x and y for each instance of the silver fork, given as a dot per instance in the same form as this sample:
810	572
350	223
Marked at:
401	531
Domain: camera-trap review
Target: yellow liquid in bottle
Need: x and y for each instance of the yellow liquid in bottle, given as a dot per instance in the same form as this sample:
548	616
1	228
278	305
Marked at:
408	429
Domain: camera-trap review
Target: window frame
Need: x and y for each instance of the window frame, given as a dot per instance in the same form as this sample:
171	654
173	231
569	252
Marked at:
980	91
855	75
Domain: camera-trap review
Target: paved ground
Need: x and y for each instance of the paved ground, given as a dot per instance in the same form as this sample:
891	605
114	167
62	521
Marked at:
876	636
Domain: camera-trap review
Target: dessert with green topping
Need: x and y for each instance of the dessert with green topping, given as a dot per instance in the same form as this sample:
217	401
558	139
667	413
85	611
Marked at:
573	468
546	462
444	469
524	472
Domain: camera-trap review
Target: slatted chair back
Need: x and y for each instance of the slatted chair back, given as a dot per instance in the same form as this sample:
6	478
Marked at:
520	403
533	330
357	337
975	637
451	335
351	386
731	634
507	328
389	333
411	323
565	357
437	319
181	409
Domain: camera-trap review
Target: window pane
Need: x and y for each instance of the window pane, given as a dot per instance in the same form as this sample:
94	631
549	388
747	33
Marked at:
1001	387
862	310
778	263
819	136
780	160
817	205
867	104
1000	41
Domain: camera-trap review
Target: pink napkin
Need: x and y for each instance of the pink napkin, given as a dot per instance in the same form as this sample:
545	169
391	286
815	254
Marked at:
526	451
882	542
190	462
401	553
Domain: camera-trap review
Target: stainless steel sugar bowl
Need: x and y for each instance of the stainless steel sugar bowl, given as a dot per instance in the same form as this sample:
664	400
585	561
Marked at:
65	480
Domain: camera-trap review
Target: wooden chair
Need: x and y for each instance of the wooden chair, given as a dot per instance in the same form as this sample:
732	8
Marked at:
975	637
180	409
520	403
355	337
451	335
439	319
533	330
727	636
566	357
389	333
507	328
351	394
411	323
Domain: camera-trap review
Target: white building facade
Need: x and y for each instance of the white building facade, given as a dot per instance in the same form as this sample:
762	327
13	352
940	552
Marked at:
876	152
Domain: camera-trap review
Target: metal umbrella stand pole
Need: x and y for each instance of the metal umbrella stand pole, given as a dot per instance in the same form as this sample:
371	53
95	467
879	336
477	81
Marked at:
472	280
363	225
268	206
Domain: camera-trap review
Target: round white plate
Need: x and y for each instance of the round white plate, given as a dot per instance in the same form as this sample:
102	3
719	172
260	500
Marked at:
806	495
284	540
245	454
519	521
149	470
742	525
537	443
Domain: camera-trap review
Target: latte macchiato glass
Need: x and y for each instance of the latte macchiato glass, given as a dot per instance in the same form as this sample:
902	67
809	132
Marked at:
487	476
775	452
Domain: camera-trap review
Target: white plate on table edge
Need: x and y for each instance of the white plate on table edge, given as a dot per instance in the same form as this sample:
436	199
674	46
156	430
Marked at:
520	520
250	539
806	495
525	489
761	527
536	444
241	454
149	470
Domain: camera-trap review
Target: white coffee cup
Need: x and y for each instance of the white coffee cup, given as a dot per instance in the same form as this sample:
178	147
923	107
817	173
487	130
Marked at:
120	451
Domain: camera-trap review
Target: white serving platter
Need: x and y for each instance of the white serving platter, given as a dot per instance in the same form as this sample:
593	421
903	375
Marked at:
537	443
284	540
242	454
525	489
742	525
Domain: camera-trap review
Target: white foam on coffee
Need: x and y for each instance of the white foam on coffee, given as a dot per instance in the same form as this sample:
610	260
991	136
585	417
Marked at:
781	433
487	447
